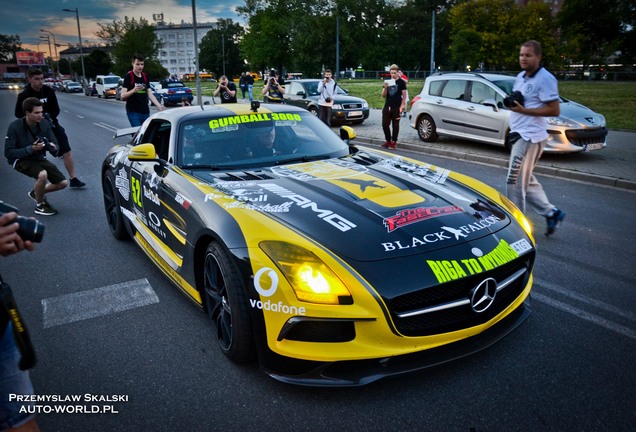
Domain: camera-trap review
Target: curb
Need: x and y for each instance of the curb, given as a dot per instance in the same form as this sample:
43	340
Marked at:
501	162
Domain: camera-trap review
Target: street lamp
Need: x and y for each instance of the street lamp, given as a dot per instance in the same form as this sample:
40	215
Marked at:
48	39
55	46
79	33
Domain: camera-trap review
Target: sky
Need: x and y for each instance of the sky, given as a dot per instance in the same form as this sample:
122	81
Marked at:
27	22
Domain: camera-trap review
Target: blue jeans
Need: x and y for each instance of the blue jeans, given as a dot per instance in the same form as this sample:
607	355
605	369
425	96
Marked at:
12	381
137	119
249	91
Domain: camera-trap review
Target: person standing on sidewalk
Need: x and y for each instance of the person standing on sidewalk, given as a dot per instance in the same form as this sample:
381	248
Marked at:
327	91
249	82
536	96
394	94
46	95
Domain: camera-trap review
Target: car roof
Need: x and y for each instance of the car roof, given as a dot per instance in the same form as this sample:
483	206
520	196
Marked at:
486	75
207	111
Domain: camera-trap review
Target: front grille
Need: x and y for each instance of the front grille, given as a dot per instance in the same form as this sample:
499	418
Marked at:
583	137
352	106
460	317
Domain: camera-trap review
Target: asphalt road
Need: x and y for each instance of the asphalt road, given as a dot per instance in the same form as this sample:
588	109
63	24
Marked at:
569	367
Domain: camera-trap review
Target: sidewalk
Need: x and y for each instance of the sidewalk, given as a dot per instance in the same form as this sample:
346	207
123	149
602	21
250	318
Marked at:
613	166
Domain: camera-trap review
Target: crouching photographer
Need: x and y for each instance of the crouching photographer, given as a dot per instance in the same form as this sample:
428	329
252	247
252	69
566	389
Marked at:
27	141
16	351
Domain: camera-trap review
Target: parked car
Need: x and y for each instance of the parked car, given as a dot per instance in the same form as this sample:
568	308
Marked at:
74	87
470	106
106	85
329	264
91	89
172	92
346	109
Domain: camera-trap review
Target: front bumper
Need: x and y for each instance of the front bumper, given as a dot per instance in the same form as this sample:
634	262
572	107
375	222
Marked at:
576	140
362	372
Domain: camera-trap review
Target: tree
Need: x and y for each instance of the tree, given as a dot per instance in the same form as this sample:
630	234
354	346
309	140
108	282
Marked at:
593	31
220	47
9	44
96	63
130	37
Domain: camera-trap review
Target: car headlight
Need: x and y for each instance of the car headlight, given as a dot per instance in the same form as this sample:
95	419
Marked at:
336	106
560	121
310	278
365	104
517	214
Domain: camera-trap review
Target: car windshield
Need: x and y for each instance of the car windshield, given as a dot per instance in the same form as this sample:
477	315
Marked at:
505	84
111	80
311	87
255	140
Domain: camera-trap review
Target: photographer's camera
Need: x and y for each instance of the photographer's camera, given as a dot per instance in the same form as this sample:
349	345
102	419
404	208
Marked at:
29	229
47	146
509	101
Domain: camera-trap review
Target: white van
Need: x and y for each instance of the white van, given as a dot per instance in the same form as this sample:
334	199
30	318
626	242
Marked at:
106	85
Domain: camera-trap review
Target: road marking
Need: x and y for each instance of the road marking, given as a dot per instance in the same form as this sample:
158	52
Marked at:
583	299
595	319
97	302
106	126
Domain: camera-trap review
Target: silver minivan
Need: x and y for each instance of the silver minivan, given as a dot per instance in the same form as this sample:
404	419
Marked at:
470	106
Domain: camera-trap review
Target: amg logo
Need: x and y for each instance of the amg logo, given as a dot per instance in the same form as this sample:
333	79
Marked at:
328	216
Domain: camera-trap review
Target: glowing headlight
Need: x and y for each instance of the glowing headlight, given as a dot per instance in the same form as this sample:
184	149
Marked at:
310	278
560	121
518	215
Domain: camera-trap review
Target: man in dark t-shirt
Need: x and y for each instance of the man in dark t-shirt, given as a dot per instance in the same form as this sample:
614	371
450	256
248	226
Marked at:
138	93
227	90
394	93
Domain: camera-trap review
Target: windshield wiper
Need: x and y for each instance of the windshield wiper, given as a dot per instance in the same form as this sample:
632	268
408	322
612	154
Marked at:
302	159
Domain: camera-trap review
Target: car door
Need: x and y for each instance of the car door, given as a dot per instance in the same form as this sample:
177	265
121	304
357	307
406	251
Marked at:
449	107
295	94
483	122
155	203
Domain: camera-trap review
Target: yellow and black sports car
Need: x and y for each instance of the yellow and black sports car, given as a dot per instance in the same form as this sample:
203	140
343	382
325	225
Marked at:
330	264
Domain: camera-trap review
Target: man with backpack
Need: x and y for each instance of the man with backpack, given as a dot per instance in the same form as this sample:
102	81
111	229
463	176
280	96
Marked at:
137	93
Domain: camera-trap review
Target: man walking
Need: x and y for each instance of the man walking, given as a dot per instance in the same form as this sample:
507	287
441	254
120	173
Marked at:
36	88
539	98
137	93
327	91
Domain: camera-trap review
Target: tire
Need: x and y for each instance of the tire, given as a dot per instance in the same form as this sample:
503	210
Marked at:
226	304
313	110
426	129
111	205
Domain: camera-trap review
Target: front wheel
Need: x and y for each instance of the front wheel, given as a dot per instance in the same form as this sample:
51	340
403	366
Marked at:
313	110
111	205
226	304
426	129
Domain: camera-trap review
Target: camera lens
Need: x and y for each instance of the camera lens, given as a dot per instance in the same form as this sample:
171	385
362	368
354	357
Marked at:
30	229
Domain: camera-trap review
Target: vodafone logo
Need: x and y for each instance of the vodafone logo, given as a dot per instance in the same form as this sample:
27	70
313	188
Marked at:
273	282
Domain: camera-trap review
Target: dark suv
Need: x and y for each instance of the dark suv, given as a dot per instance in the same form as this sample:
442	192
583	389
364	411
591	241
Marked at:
470	106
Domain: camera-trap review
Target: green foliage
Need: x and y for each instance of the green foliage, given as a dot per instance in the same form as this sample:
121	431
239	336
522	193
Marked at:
221	41
593	31
97	62
9	44
129	37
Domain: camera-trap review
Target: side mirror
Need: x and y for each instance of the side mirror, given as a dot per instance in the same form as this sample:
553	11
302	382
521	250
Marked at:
301	93
347	134
491	103
143	153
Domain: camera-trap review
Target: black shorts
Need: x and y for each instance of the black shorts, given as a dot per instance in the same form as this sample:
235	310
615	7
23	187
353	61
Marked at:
32	168
61	137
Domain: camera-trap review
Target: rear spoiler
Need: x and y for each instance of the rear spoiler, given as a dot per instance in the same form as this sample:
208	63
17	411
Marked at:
126	131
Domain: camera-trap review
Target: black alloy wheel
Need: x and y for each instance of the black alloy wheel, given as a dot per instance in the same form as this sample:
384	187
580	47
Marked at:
111	205
226	304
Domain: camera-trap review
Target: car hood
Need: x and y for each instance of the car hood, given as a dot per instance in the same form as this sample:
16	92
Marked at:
362	211
581	114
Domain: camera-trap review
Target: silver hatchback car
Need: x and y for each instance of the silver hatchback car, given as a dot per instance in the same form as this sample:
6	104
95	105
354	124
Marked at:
470	106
